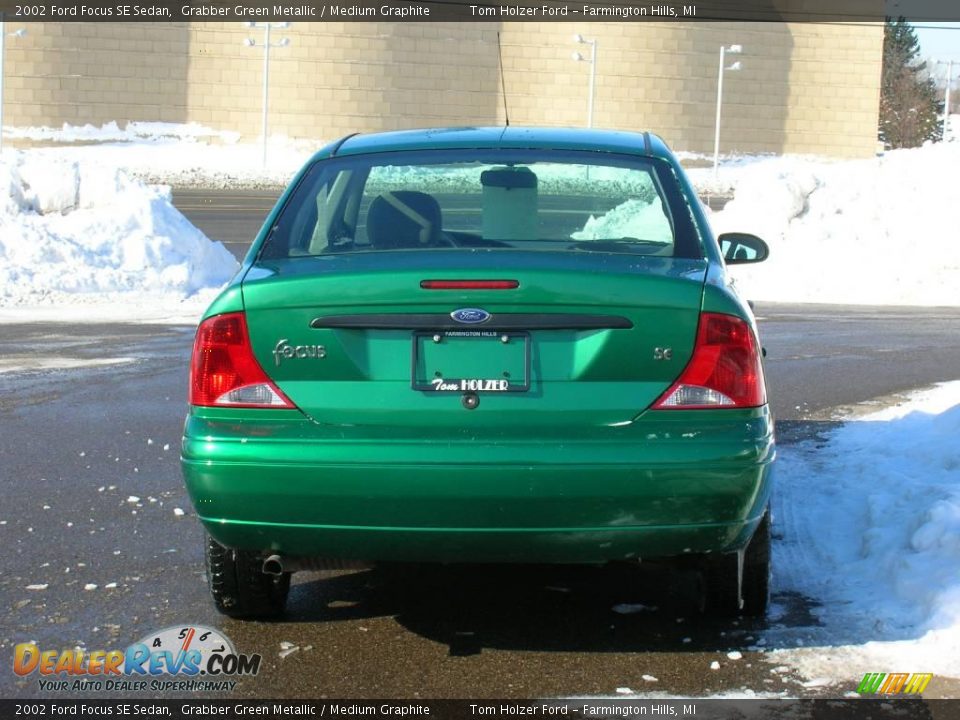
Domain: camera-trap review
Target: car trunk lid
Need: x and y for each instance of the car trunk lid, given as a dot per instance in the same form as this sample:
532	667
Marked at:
583	339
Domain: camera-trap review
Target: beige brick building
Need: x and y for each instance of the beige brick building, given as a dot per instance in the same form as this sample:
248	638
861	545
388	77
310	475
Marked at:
803	87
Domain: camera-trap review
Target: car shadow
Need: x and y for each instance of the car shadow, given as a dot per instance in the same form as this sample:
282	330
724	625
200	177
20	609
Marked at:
620	607
470	608
613	608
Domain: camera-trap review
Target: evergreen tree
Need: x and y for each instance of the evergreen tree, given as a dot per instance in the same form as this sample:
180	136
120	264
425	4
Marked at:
909	105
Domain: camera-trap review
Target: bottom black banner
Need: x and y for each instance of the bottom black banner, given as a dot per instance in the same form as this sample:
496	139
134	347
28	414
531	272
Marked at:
579	709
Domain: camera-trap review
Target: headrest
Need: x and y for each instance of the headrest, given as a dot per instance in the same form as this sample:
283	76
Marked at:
403	219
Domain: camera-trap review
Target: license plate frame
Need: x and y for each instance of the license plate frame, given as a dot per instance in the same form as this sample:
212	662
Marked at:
446	385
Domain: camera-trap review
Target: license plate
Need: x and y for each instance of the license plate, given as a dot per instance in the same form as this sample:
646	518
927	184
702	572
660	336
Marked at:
478	361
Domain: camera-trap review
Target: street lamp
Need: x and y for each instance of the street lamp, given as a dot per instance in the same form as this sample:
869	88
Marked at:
3	36
593	71
733	50
946	96
250	42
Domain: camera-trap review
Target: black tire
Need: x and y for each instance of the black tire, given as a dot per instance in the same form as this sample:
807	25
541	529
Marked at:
240	588
723	596
756	571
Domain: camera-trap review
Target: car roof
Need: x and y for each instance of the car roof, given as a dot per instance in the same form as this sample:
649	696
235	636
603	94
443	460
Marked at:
497	138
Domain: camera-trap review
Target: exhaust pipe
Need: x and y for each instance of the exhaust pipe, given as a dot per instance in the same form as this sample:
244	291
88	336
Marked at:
273	565
277	565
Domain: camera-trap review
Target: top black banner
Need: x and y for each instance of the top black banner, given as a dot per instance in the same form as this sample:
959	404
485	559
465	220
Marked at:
480	10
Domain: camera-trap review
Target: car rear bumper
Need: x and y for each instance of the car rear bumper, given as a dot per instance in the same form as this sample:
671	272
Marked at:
669	483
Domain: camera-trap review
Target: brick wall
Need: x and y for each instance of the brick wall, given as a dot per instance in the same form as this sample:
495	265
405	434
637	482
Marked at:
804	88
337	78
96	72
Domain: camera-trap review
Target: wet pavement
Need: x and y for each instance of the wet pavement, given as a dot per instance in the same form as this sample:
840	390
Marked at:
90	421
92	496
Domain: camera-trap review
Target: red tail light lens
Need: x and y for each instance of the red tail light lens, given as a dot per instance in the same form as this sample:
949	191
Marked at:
724	372
224	371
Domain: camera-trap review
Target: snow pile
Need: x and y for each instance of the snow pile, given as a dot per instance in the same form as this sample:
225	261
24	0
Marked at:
699	169
11	190
133	131
69	227
866	232
874	231
49	188
871	529
639	219
183	155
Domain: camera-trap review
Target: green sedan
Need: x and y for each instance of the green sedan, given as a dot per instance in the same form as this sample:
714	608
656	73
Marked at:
484	345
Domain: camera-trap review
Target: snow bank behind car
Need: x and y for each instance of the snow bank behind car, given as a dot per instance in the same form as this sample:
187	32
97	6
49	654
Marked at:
866	232
79	232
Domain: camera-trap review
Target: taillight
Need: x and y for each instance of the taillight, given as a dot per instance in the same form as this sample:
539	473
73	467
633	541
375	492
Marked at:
724	372
224	371
469	284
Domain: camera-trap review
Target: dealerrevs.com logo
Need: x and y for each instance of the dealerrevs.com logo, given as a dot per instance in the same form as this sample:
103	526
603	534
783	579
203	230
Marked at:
180	658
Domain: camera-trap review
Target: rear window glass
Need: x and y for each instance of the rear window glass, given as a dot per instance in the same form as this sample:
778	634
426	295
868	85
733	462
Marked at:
579	202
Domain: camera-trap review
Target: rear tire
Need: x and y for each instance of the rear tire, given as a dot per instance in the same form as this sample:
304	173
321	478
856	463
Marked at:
756	571
239	587
723	595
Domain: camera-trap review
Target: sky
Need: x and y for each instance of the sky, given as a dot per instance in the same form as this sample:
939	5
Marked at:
940	41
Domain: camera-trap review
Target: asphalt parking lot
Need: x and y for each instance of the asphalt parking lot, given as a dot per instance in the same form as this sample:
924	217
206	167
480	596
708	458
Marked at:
93	497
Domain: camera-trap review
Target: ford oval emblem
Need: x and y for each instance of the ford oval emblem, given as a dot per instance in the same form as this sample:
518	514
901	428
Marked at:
470	316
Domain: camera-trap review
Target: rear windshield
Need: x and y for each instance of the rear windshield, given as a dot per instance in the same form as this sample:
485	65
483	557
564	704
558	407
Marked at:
511	200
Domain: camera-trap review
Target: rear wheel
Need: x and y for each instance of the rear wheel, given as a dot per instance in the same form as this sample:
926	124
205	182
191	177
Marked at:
239	586
723	591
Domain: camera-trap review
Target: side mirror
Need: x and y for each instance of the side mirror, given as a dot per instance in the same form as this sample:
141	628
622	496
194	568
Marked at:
742	248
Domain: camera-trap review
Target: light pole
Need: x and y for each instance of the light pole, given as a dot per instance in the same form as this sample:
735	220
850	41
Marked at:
946	97
593	71
734	50
3	36
250	42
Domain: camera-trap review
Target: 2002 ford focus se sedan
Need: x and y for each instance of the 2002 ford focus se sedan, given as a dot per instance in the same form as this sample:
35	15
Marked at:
502	345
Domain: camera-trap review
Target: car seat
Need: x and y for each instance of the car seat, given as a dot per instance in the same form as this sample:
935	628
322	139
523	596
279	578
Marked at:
404	219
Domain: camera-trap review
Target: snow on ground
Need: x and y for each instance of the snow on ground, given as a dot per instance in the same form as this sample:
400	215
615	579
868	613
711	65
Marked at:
874	231
869	518
869	232
634	218
133	131
84	241
869	527
183	155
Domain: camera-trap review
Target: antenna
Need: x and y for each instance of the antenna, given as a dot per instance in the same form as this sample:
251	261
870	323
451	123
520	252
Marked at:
503	86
